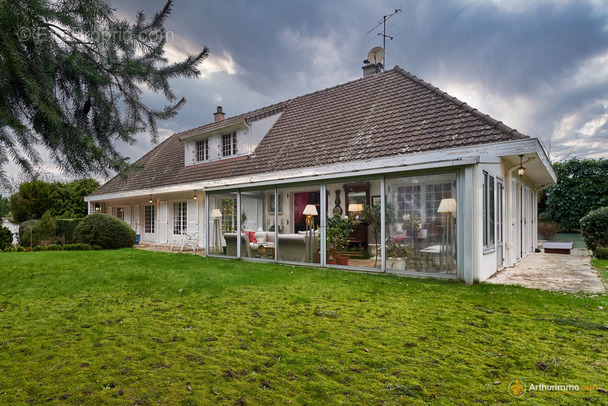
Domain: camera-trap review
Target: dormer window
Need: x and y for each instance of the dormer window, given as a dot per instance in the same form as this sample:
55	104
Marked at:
229	144
202	150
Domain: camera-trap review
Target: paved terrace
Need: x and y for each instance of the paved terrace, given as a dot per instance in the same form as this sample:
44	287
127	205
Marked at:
556	272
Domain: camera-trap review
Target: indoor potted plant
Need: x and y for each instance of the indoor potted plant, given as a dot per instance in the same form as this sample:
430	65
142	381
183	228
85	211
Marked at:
396	254
339	230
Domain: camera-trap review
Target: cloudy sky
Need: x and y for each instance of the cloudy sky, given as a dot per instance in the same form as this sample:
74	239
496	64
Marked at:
539	66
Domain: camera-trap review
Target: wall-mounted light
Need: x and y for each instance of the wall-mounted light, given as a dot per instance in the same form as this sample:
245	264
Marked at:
195	198
521	170
150	201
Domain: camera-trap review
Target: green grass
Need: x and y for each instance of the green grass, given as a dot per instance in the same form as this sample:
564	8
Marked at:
137	327
602	267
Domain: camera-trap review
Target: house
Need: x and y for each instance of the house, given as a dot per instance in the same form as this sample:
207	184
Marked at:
457	189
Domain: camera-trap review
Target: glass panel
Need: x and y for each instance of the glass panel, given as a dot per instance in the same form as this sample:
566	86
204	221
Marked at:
222	225
120	213
298	239
149	219
257	220
421	224
354	224
180	218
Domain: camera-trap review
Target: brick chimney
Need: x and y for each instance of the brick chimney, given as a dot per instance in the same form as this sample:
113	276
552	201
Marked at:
218	115
371	69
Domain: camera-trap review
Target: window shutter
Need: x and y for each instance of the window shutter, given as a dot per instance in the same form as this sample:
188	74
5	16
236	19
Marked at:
135	217
127	212
192	216
162	223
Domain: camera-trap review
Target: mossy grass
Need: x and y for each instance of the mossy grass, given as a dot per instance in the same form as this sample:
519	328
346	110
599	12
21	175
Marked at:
137	327
602	268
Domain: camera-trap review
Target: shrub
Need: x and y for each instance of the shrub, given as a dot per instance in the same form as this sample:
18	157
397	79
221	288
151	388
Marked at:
6	238
28	237
46	229
65	229
104	230
548	229
544	216
594	228
601	252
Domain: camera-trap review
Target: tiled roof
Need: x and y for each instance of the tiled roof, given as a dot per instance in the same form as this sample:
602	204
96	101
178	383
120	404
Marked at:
388	114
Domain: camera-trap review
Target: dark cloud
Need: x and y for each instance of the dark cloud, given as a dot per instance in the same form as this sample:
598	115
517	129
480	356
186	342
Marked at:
535	65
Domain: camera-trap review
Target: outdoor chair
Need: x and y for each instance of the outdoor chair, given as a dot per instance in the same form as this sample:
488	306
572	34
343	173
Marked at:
187	239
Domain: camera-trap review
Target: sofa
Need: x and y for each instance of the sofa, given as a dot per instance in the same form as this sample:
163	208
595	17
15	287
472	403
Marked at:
292	247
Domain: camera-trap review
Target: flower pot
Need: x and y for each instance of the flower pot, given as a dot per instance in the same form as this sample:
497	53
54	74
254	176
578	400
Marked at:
342	260
395	264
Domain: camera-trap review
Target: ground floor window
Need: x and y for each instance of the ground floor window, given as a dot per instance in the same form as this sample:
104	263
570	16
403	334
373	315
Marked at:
287	223
180	217
489	217
420	223
120	213
149	219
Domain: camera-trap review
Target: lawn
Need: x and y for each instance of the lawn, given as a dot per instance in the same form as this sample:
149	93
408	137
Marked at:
146	328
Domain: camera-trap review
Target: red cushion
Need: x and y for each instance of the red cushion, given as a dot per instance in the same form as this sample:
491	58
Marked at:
252	236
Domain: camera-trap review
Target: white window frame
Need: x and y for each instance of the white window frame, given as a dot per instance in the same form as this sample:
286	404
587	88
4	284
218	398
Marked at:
489	211
229	144
202	150
149	218
180	218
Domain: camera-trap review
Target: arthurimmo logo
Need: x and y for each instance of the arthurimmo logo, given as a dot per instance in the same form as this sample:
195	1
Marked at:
517	388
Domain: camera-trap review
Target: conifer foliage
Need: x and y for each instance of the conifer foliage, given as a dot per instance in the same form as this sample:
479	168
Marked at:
71	75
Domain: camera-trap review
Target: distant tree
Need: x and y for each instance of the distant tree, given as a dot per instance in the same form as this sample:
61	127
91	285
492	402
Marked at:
68	198
3	206
582	186
31	201
71	74
65	200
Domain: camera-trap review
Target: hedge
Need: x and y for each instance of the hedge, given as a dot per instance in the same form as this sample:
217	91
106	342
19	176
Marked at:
594	228
65	229
104	230
55	247
601	252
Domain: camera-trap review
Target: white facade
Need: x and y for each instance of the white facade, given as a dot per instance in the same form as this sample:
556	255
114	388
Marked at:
487	238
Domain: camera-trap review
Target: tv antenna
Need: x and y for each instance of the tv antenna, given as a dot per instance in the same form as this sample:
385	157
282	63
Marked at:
383	34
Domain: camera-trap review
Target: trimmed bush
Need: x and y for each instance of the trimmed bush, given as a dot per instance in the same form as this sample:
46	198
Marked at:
55	247
104	230
594	228
601	252
65	229
6	238
544	216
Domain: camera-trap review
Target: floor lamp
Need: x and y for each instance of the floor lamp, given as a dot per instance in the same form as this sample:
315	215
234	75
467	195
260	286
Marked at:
217	237
309	211
448	240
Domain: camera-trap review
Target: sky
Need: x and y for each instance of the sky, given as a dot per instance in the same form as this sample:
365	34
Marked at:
539	66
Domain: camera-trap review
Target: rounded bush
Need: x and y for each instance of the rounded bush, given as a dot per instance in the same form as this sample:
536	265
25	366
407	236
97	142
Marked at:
594	228
104	230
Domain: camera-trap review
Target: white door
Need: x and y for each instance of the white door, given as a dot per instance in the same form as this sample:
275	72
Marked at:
149	226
